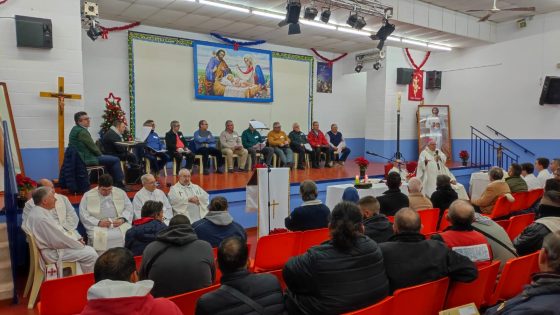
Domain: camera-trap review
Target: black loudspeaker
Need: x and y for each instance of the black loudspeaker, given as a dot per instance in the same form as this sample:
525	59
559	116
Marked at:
33	32
550	91
433	80
404	75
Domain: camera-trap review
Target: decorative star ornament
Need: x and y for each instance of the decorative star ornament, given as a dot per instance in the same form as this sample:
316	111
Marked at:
112	99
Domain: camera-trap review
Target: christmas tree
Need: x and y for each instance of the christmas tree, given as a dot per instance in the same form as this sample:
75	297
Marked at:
113	112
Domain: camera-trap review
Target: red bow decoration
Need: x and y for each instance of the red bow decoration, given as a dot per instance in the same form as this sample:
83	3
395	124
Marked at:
105	30
412	60
327	60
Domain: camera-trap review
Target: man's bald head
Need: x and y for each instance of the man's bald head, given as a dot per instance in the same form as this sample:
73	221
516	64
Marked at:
461	213
407	220
45	182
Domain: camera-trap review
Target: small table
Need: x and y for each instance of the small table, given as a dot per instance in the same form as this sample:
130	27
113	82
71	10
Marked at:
478	183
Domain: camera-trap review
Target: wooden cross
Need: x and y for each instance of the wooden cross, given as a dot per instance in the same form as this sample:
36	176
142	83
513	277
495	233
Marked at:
60	95
274	204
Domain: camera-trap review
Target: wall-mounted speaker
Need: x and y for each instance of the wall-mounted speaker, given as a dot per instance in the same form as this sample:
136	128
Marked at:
433	80
404	75
551	91
33	32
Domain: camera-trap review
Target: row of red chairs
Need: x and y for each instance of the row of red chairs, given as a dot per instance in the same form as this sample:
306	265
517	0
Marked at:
516	224
429	219
523	200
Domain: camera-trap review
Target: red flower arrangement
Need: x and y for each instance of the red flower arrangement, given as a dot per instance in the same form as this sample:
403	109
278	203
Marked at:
464	155
25	184
361	162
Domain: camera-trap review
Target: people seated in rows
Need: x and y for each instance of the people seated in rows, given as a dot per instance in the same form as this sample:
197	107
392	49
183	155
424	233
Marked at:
336	141
541	165
497	237
177	261
145	229
178	148
231	144
81	140
149	191
527	170
254	142
376	225
118	291
155	150
400	168
543	294
264	289
514	180
298	141
319	144
111	147
350	194
462	238
495	189
444	195
278	141
312	214
431	163
554	165
187	198
548	220
218	224
343	274
205	145
106	213
416	199
52	240
410	259
393	199
63	213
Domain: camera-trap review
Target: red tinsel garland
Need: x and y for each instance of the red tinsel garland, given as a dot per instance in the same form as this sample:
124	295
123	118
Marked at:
329	61
412	60
3	1
105	30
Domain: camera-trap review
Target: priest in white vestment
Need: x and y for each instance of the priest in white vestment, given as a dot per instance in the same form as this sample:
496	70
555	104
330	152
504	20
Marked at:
52	240
187	198
400	168
150	192
64	213
431	163
106	213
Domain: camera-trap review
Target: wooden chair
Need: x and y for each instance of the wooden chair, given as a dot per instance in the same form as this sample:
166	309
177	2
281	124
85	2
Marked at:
200	164
518	223
149	167
273	251
463	293
306	159
311	238
384	307
65	296
423	299
516	273
95	168
187	301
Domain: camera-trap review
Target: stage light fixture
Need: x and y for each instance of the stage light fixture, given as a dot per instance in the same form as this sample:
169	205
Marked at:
384	32
326	15
293	29
293	9
310	13
359	67
377	66
93	32
356	21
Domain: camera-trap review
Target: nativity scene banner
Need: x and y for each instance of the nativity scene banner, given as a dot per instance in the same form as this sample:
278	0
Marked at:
222	73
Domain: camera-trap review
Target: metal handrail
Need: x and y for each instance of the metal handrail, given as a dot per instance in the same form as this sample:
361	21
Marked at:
496	142
486	150
512	141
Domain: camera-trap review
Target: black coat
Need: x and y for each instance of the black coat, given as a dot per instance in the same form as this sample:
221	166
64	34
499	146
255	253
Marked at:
326	280
171	141
392	201
531	239
443	197
73	173
263	288
308	218
410	260
378	228
110	147
139	236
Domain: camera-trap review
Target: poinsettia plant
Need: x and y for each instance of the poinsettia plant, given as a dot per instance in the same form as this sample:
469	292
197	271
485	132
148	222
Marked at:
464	155
361	162
24	183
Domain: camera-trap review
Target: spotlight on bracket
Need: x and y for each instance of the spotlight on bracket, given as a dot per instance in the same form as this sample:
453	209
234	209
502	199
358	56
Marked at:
384	32
326	15
310	12
293	8
359	67
356	21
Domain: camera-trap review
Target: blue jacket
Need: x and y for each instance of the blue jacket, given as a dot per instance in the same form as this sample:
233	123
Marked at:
153	141
217	226
141	234
311	215
204	137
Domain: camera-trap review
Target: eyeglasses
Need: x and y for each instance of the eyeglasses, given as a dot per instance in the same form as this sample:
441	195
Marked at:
84	118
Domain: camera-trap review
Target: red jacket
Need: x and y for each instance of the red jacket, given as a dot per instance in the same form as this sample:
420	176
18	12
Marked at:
317	140
468	243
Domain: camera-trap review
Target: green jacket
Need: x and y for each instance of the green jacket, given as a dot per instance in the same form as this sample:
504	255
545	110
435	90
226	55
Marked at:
516	184
80	139
297	139
250	138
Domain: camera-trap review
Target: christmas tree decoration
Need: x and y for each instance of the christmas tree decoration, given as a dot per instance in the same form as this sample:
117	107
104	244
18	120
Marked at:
113	112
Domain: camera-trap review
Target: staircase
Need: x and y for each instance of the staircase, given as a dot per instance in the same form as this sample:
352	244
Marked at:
487	151
6	283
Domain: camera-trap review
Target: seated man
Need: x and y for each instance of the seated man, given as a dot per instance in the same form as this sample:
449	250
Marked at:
205	145
416	199
393	199
548	220
110	146
338	145
150	192
527	170
410	259
280	143
541	165
144	230
177	261
542	296
51	239
106	213
263	289
298	140
231	144
319	144
118	291
218	224
376	225
187	198
312	214
254	143
178	148
462	238
80	138
514	181
495	189
155	150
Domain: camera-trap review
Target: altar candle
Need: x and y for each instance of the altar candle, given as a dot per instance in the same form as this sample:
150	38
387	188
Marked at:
357	179
366	179
399	94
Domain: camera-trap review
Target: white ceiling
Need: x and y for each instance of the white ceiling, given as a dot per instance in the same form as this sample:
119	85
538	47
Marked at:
200	18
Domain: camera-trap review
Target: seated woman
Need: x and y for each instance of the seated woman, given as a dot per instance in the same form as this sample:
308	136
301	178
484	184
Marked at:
144	230
218	224
341	275
312	214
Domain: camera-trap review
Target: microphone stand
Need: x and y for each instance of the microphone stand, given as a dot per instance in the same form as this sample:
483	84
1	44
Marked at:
398	154
392	160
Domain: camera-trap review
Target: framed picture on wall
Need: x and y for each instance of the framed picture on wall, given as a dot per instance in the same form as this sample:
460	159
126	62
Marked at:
434	123
222	73
6	114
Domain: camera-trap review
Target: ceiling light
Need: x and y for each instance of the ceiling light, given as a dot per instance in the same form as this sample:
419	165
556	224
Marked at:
270	15
413	42
326	15
351	31
310	13
321	25
356	21
225	6
445	48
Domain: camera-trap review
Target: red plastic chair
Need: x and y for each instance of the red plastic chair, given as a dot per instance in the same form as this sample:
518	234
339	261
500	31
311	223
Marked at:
311	238
516	273
423	299
518	223
520	201
444	223
273	251
383	307
502	208
138	261
65	296
429	219
411	167
187	301
391	219
463	293
387	167
533	196
504	224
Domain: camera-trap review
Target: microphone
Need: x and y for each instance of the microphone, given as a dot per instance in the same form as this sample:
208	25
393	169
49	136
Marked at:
437	161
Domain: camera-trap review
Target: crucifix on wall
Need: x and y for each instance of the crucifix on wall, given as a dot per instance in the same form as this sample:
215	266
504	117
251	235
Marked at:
61	96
